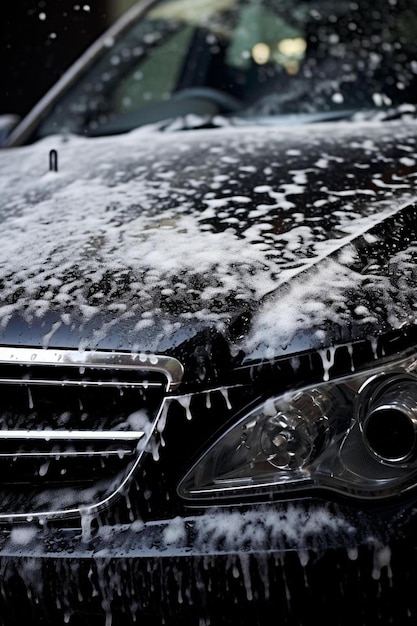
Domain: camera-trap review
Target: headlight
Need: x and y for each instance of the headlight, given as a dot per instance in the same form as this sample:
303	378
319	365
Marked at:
356	435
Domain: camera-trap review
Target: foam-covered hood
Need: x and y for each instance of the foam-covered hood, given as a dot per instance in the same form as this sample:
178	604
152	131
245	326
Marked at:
276	239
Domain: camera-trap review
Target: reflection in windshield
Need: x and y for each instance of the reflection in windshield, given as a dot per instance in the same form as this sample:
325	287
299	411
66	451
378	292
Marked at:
259	58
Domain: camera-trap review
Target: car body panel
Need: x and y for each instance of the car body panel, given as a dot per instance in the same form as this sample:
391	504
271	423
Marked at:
287	559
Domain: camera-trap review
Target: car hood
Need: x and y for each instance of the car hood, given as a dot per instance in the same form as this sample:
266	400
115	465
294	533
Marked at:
274	239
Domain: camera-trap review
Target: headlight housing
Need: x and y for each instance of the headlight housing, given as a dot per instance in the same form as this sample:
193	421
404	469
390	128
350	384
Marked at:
356	435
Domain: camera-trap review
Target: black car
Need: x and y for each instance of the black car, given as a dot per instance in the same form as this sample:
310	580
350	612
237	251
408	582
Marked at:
208	337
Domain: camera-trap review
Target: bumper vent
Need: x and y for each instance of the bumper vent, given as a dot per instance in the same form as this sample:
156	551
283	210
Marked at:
73	426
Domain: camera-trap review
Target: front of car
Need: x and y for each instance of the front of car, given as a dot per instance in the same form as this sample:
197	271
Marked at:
207	324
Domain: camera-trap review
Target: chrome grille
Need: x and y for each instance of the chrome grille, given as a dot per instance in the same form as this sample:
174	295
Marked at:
73	426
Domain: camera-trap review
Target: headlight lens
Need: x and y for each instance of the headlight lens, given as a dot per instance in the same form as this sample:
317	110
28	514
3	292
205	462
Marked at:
356	435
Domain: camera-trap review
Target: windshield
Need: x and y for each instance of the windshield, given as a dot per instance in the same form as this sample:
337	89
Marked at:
249	59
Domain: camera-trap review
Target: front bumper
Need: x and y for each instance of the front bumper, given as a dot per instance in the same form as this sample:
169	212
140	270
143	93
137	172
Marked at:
299	563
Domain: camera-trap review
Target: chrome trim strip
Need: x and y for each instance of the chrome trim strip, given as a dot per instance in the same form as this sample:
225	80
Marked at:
170	367
67	454
72	435
31	382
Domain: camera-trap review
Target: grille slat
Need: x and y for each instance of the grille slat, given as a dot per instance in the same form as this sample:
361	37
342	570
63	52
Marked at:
70	435
79	383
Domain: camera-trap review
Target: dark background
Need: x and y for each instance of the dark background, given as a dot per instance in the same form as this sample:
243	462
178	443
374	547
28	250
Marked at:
39	39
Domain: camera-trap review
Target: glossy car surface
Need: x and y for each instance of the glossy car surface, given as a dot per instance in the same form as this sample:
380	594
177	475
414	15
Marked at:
208	323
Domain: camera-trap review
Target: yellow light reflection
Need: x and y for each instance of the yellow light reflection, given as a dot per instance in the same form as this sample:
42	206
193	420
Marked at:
294	47
261	53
